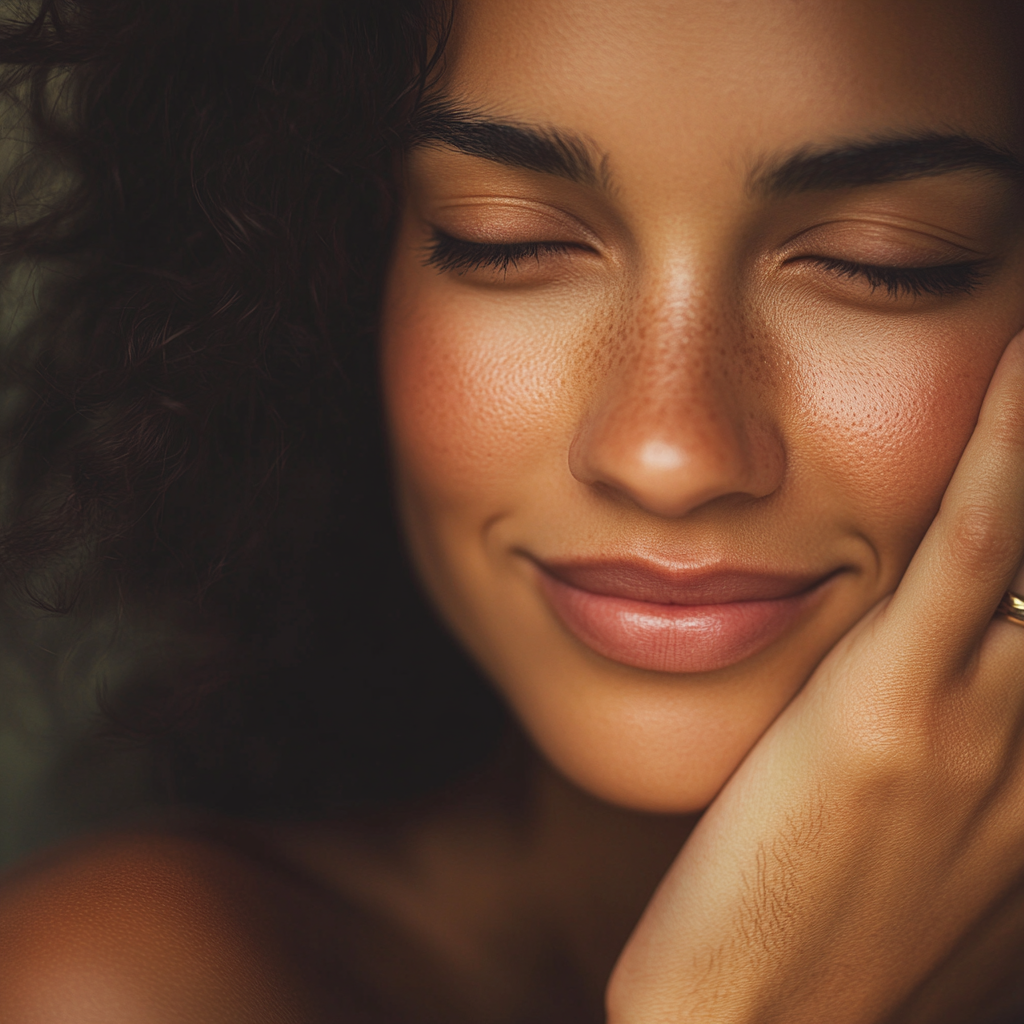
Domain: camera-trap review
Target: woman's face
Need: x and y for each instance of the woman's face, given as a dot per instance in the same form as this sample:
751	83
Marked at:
691	312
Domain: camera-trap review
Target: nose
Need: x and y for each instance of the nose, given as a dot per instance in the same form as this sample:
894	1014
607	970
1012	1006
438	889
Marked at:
679	418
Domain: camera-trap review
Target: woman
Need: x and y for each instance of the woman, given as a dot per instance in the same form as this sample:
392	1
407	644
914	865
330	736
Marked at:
707	435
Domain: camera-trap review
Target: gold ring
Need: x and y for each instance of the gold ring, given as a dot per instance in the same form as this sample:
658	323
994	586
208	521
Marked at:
1012	608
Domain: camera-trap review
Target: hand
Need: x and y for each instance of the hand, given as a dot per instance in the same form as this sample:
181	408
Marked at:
882	815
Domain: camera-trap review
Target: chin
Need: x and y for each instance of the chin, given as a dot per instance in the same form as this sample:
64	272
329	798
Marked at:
647	741
660	767
640	778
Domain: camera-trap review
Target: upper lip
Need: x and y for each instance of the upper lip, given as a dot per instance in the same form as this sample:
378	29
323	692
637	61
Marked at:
640	580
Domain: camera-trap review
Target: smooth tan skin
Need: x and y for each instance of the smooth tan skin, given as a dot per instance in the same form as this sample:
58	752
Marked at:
691	382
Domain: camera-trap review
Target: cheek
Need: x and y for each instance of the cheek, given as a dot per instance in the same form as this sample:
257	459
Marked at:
881	416
455	405
475	394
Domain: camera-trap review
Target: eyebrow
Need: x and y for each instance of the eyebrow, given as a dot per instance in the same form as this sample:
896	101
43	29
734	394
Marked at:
884	160
548	150
854	164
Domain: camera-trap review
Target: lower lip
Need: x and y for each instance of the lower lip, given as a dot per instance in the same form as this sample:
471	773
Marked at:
672	637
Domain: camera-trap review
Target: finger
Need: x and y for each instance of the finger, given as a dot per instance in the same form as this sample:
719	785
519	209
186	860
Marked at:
1015	651
1017	583
975	545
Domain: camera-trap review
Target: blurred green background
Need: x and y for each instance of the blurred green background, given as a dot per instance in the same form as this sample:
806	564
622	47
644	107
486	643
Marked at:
61	769
59	772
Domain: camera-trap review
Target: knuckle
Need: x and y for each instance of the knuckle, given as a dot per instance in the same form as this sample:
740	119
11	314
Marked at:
955	744
885	738
982	539
1006	427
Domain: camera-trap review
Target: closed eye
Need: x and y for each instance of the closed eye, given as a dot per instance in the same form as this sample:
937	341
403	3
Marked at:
940	281
456	255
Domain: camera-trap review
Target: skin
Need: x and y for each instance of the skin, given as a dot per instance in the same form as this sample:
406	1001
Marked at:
689	380
686	382
782	404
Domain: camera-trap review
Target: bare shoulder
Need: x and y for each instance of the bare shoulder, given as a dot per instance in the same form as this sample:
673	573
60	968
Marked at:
140	927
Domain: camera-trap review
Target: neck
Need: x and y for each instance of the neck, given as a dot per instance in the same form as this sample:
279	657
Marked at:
503	877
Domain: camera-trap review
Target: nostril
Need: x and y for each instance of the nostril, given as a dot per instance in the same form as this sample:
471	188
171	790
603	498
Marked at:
670	477
670	442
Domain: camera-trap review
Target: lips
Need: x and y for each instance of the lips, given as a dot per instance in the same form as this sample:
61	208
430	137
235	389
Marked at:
675	620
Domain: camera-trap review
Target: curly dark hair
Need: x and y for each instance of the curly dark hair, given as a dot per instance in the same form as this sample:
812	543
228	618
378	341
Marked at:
203	208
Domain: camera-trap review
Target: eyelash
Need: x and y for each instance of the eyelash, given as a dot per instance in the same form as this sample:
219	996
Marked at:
455	255
450	254
942	281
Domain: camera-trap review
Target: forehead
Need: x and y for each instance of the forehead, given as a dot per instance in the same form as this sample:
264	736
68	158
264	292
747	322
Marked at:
695	84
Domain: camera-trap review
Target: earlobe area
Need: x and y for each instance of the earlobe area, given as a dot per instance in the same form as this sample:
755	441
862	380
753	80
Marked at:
140	929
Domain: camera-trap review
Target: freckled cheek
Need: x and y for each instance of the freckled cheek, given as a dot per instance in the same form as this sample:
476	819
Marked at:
890	432
472	393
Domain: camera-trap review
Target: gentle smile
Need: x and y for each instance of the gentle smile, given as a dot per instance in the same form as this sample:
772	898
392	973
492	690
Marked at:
674	621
